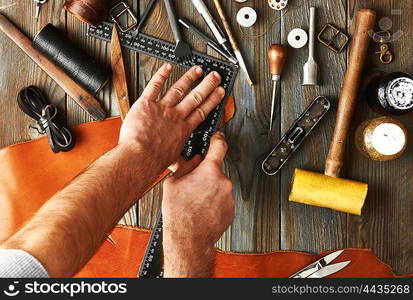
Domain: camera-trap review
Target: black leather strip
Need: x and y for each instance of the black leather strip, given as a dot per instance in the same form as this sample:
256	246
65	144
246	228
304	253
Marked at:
34	104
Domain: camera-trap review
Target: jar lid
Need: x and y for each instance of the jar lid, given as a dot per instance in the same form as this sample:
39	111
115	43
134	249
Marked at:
400	93
388	139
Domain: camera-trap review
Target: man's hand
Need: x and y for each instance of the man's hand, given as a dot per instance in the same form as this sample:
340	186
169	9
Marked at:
160	128
197	207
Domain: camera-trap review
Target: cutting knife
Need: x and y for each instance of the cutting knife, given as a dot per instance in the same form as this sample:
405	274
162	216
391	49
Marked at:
119	74
322	268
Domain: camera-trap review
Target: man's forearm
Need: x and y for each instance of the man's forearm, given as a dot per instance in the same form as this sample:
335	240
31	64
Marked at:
69	228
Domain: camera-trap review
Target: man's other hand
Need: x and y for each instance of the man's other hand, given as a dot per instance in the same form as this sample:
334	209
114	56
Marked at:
160	126
197	207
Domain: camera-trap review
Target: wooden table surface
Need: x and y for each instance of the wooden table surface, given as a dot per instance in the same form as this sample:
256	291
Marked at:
264	220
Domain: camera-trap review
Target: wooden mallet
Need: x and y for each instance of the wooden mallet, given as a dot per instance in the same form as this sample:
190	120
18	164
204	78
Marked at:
328	190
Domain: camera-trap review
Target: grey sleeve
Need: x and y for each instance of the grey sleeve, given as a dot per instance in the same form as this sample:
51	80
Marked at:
20	264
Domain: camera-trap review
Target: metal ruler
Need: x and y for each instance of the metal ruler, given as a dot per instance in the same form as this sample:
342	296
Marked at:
152	264
199	140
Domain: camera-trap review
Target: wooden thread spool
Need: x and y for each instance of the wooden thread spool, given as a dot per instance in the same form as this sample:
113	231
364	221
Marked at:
381	139
88	11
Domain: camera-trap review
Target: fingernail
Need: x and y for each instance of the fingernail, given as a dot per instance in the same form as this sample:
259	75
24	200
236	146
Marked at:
221	91
217	76
220	134
169	67
199	70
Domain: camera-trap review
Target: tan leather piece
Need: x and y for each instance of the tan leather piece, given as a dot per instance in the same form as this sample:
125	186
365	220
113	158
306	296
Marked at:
123	260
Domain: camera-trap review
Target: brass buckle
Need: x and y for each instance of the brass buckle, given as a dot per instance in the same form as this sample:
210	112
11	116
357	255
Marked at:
118	11
337	34
383	38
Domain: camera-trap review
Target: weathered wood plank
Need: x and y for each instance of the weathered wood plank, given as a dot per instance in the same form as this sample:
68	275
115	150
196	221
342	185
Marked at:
256	223
14	125
307	228
387	221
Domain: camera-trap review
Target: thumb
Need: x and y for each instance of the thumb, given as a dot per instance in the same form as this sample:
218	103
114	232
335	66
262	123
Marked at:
185	167
217	149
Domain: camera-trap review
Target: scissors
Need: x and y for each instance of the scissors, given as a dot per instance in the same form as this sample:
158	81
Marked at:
322	268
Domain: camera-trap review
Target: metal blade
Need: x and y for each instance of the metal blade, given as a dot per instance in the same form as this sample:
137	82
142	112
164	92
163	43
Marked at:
119	74
326	271
318	265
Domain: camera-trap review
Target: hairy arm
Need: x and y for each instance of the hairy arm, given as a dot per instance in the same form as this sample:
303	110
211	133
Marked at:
69	228
198	206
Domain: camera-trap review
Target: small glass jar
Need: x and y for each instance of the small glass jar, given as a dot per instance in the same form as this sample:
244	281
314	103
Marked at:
390	94
381	139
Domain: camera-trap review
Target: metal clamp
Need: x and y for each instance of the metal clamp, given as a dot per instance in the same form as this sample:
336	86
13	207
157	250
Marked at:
295	136
118	11
337	35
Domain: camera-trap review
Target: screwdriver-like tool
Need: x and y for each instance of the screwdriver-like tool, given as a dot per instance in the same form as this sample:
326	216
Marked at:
276	59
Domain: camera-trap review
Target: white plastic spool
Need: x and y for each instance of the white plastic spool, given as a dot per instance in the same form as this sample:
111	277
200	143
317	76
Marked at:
278	4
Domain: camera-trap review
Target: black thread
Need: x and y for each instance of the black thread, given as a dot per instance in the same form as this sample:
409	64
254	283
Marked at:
81	67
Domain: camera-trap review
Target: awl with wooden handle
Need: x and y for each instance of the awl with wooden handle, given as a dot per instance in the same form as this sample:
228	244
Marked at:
276	59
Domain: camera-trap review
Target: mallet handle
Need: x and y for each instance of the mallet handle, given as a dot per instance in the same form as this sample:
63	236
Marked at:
365	21
80	95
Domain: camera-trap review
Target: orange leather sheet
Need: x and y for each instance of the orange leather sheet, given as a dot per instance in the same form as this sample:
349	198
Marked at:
123	260
31	173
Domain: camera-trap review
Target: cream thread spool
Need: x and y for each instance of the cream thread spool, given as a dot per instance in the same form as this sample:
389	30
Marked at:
246	17
297	38
381	139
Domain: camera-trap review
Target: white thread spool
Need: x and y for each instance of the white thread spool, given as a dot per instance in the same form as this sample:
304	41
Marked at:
278	4
297	38
246	17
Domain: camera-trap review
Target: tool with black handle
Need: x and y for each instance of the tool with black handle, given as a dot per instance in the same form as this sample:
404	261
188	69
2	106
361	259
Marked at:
182	50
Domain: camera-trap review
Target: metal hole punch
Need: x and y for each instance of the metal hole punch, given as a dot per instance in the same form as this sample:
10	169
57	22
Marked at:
337	35
119	10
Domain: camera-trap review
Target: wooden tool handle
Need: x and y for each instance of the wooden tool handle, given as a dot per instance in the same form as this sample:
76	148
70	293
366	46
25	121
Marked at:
365	21
277	54
226	24
80	95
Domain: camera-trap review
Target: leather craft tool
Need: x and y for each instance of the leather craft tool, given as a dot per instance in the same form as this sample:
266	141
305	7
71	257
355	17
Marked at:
188	25
247	17
34	104
212	24
322	268
81	67
80	95
39	4
297	38
277	54
310	74
88	11
296	135
119	75
182	50
338	40
328	190
155	47
232	40
278	4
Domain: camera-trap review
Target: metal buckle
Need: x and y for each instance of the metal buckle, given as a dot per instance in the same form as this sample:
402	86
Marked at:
337	34
116	14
